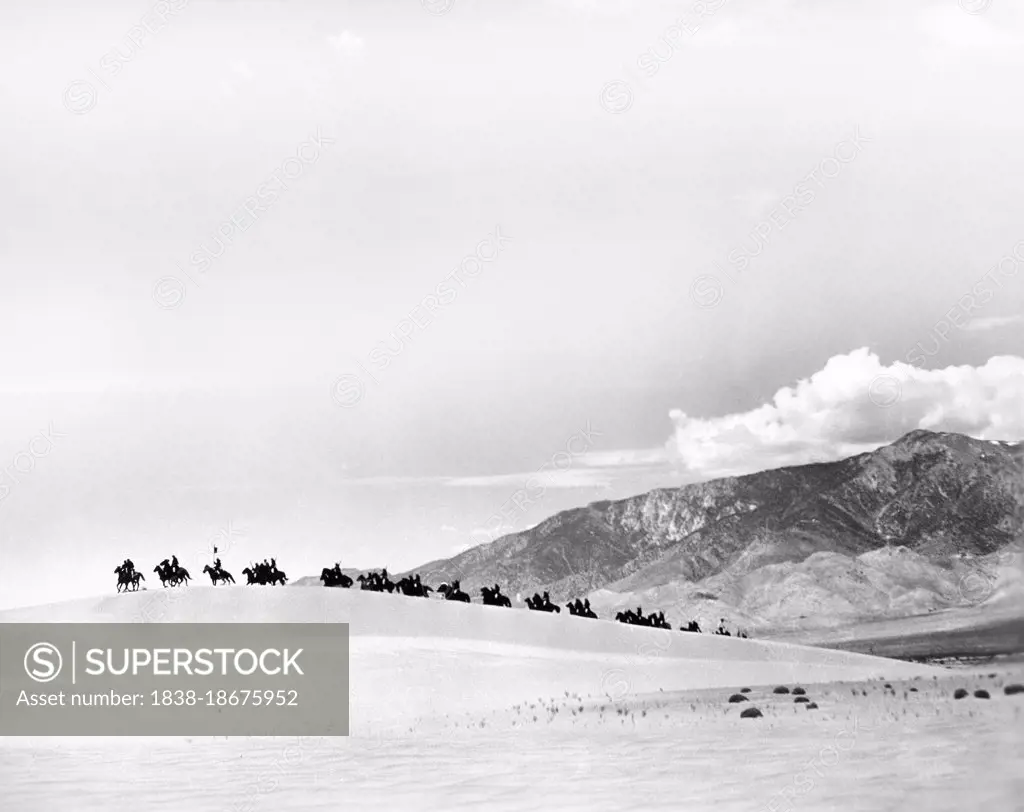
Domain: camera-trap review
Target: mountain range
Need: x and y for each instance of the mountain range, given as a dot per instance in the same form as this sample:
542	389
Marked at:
930	521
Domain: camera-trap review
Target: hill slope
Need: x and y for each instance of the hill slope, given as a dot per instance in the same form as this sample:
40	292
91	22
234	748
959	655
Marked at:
938	496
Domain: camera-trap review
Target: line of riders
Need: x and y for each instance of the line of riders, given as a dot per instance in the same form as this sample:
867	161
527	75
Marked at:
173	574
413	587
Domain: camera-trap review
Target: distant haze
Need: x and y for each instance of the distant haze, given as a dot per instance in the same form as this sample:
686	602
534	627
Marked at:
638	309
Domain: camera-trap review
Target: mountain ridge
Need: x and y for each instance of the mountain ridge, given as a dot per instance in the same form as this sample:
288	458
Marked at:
937	494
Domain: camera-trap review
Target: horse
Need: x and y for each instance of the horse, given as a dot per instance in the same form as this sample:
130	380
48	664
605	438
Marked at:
539	604
277	576
335	577
218	575
250	575
493	597
413	588
124	578
136	577
692	626
452	592
174	578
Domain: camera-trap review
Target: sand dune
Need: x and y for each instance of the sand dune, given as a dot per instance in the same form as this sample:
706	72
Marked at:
455	706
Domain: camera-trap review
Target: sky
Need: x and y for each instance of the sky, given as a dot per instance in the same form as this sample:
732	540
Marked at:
377	281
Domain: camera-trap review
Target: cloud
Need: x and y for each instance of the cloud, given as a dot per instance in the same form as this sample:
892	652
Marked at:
991	323
347	43
852	405
566	478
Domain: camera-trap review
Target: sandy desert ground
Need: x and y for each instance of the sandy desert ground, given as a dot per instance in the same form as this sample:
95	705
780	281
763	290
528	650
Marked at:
468	707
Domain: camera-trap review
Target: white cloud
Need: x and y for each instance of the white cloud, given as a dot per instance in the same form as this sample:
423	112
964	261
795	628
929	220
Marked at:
347	43
854	404
991	323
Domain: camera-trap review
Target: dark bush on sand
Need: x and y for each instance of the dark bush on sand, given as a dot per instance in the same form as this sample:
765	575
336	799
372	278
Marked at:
1016	688
744	690
811	706
960	693
800	699
981	693
738	698
751	713
798	691
781	689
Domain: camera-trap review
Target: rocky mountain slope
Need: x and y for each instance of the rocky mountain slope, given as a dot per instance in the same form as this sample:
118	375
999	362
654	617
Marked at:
816	531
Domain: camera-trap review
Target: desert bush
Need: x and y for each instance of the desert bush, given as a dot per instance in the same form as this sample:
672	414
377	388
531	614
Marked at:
981	693
738	698
781	689
751	713
1016	688
960	693
798	691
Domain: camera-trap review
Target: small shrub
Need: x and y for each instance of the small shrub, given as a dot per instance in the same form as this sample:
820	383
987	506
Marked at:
1016	688
960	693
738	698
744	690
751	713
798	691
811	706
781	689
981	693
800	699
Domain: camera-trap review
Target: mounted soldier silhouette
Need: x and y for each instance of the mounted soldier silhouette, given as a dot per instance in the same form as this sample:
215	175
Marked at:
171	573
543	603
453	592
265	572
218	573
493	597
127	577
580	608
333	576
413	587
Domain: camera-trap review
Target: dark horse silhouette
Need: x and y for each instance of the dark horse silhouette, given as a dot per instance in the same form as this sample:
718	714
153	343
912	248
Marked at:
170	574
542	604
692	626
493	597
218	574
580	609
413	587
264	573
637	618
721	629
377	582
452	592
128	578
335	577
